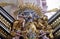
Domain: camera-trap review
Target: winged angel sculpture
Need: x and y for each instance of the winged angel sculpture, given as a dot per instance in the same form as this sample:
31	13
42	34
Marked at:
30	23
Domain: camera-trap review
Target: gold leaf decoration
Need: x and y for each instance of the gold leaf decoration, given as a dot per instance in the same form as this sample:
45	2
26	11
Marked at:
29	6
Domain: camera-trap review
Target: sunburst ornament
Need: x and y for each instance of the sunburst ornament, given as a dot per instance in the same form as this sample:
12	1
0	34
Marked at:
23	7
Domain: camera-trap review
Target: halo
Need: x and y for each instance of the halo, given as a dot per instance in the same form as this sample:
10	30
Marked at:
29	6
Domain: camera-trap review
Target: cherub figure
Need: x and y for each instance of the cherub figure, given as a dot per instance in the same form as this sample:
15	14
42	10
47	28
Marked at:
45	27
31	31
18	24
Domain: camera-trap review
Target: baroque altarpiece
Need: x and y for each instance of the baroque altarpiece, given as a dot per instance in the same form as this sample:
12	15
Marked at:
30	23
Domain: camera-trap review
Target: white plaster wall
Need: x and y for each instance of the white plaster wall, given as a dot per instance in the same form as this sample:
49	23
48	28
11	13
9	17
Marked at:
53	4
9	1
8	8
